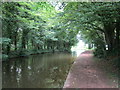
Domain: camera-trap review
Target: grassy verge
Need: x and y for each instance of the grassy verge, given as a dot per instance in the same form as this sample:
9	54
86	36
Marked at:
25	53
110	65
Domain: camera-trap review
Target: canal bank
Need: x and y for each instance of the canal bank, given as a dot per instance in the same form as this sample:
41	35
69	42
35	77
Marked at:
27	53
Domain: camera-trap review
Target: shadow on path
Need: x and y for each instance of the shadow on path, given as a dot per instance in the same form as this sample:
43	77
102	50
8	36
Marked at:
84	73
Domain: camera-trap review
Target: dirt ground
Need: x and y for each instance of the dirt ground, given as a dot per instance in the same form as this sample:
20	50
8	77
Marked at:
85	73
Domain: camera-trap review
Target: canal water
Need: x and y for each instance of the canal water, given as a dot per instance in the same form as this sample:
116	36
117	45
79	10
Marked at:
37	71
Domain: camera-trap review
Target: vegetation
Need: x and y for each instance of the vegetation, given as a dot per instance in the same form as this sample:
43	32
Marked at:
28	29
98	24
36	27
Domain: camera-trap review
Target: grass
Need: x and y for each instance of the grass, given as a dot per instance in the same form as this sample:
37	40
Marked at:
110	67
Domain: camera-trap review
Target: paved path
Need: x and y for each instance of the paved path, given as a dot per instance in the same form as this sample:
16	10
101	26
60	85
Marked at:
84	73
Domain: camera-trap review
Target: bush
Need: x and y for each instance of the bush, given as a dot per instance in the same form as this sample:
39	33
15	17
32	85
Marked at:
3	57
100	53
117	62
24	53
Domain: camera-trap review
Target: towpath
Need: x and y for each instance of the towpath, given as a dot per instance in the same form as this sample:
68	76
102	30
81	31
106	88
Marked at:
85	73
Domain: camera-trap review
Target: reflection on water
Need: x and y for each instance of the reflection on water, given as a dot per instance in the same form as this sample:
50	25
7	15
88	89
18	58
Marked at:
77	52
36	71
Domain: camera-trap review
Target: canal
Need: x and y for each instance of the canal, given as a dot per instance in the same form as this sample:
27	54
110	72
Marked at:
37	71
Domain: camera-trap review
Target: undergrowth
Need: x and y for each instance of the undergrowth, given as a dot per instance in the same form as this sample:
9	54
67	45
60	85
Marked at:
111	65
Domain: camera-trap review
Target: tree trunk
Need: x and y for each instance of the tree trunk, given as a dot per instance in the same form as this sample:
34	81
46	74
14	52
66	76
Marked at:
109	36
8	49
23	40
117	37
10	37
15	41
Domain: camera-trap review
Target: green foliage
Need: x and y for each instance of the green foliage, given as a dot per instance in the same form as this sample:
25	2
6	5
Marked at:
98	23
4	41
117	62
3	57
39	27
99	52
29	28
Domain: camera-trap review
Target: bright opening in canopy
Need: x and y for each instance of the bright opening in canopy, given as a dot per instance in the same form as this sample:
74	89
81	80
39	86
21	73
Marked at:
79	48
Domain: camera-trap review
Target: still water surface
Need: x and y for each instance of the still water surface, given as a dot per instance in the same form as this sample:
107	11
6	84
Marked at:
37	71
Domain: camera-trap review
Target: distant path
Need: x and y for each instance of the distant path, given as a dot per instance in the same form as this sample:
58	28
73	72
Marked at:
84	73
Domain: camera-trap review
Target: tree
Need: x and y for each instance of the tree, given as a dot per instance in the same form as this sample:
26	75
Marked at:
31	28
102	19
